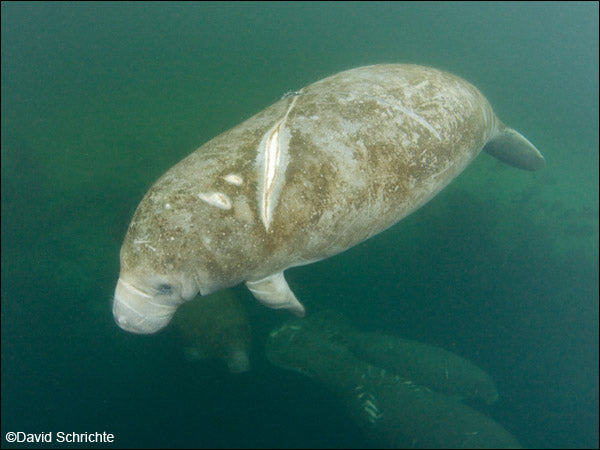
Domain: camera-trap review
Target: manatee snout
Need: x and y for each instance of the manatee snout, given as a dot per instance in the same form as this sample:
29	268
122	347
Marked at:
137	311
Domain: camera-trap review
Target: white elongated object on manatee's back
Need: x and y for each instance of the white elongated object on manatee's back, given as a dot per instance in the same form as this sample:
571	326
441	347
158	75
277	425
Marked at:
310	176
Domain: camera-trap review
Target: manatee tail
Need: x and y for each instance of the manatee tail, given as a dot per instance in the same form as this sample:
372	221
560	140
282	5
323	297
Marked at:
512	148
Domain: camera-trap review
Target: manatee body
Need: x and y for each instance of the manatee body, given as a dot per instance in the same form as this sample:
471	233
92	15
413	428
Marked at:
423	364
430	366
392	410
314	174
216	326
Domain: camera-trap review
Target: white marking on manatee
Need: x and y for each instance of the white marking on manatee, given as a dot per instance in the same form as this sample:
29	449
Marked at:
272	161
234	178
441	172
132	288
144	242
413	115
421	85
371	409
217	199
369	404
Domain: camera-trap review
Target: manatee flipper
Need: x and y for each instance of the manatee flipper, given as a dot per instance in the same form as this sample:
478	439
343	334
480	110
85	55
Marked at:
512	148
274	292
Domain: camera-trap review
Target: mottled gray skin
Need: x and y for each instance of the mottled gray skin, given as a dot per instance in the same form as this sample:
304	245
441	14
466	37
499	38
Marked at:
216	326
308	177
392	410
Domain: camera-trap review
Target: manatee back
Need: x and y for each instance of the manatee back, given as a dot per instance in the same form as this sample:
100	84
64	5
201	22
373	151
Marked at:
423	364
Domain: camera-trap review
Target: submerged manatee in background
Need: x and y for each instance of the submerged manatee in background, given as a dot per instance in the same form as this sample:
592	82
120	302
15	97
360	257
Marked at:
423	364
309	177
216	326
392	410
430	366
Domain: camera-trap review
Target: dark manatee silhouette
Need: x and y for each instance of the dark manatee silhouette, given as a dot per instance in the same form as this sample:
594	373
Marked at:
314	174
423	364
393	410
427	365
216	326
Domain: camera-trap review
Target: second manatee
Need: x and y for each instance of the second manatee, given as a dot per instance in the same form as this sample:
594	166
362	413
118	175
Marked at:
423	364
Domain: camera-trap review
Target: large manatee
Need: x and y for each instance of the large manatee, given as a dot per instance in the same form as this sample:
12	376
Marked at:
321	170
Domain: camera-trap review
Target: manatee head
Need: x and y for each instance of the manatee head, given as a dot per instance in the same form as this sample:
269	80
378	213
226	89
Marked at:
145	303
159	268
192	232
148	293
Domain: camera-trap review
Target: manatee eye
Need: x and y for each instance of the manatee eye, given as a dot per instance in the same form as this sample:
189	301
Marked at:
164	289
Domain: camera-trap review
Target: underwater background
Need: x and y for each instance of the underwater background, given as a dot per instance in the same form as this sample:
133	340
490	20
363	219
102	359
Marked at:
99	99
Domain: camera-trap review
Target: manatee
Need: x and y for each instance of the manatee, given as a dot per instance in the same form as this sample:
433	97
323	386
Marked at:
426	365
392	410
216	326
319	171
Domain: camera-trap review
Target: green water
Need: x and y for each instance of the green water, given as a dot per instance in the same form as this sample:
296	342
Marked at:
99	99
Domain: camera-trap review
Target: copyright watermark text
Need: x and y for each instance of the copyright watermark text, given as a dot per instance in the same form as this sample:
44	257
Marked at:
60	437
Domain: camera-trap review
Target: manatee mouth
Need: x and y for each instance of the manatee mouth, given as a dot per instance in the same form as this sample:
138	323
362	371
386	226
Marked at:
138	312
